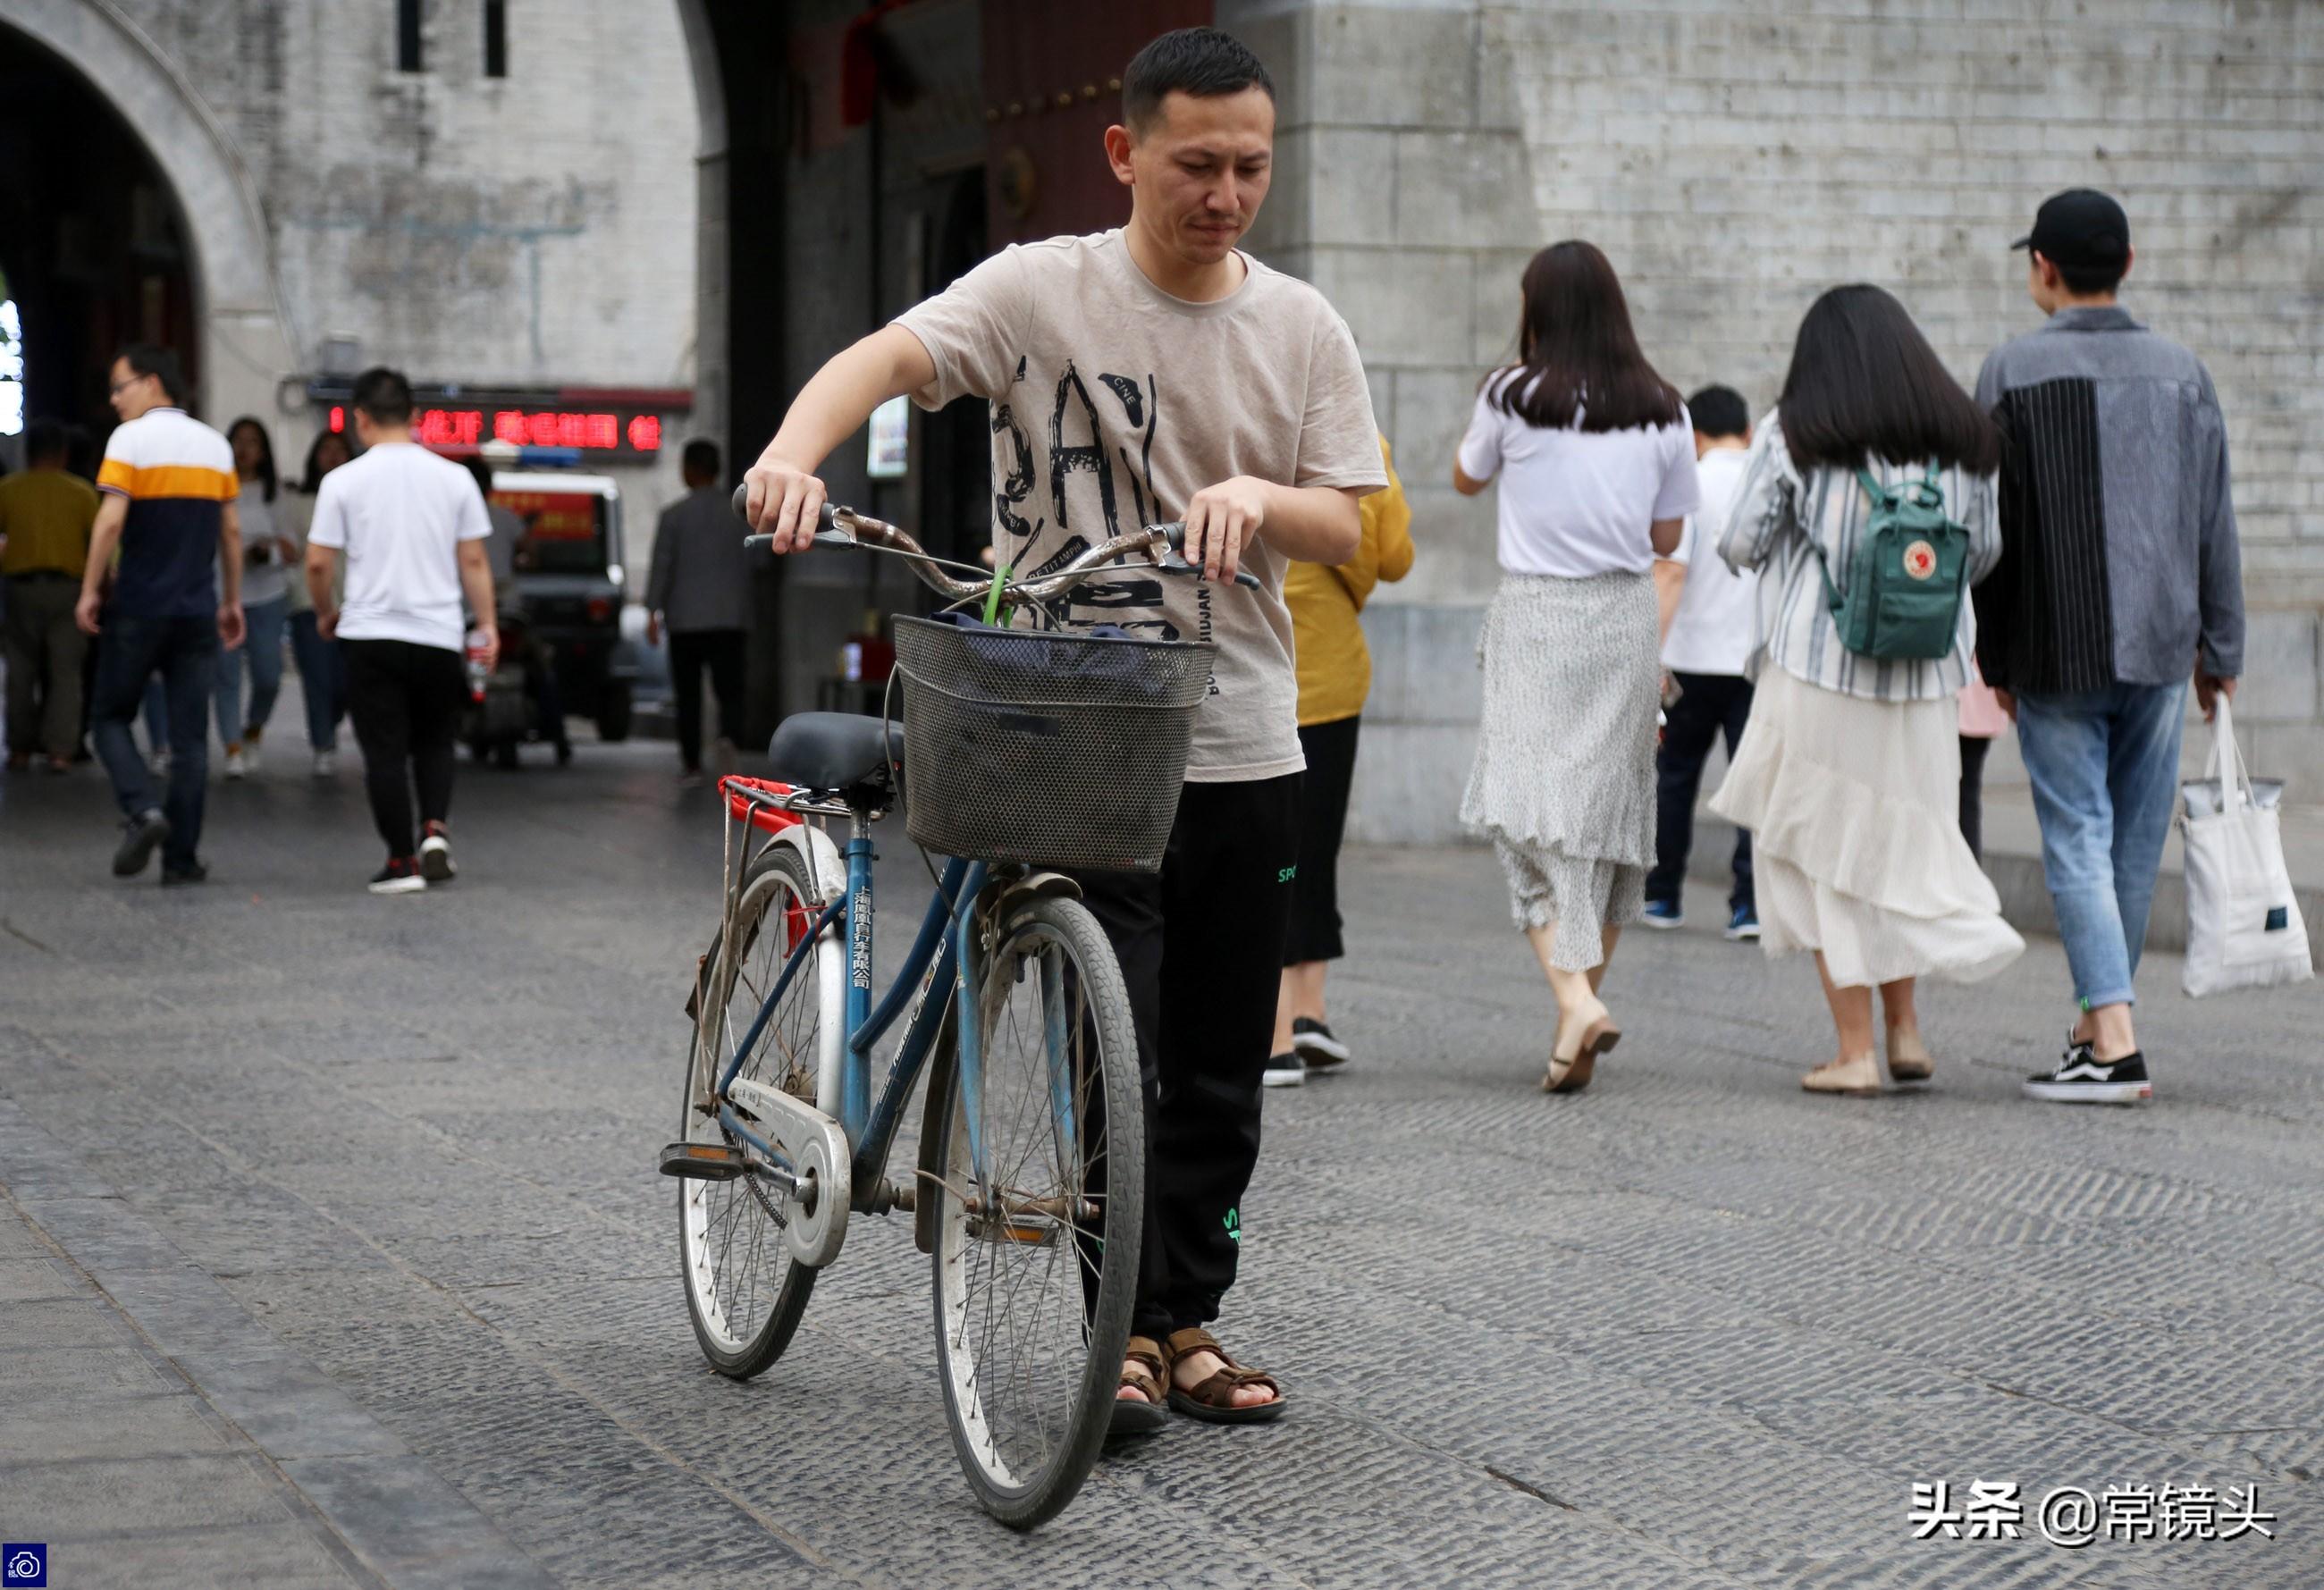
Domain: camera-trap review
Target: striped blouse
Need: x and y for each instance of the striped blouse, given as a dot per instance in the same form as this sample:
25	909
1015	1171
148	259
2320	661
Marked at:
1775	514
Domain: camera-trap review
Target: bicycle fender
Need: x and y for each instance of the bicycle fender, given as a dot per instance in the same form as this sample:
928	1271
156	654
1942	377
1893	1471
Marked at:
826	873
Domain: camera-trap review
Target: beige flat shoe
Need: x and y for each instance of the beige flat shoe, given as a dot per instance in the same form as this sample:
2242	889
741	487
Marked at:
1852	1079
1571	1072
1910	1063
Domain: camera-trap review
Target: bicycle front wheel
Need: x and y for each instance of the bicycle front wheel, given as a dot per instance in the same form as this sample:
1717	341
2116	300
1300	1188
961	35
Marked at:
1040	1213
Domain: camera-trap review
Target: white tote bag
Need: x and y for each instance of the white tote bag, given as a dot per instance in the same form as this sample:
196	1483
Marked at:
2244	929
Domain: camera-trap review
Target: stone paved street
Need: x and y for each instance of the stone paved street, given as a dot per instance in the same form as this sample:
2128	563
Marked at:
333	1252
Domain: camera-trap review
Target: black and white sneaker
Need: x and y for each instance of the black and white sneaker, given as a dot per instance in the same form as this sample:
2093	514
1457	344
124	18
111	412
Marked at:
1313	1043
2081	1078
142	835
436	855
1284	1071
401	875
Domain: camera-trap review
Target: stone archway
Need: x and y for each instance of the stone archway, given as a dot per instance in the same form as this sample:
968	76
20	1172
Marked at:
248	345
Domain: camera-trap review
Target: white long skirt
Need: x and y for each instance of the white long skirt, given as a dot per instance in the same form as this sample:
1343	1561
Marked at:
1856	843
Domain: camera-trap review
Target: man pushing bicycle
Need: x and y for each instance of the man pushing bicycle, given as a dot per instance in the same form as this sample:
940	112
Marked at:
1149	374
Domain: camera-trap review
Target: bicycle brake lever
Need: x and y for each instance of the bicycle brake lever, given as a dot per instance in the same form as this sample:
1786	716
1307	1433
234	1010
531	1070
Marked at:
1172	563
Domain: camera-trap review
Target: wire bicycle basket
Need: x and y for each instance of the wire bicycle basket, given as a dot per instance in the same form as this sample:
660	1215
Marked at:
1046	747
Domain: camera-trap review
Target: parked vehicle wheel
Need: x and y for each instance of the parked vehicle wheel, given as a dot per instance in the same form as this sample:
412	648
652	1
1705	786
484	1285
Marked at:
614	713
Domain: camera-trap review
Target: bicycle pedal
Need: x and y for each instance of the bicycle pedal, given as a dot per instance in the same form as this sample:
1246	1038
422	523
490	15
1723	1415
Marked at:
704	1161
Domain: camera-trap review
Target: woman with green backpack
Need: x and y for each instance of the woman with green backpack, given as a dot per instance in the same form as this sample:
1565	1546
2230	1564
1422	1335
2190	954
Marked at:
1869	506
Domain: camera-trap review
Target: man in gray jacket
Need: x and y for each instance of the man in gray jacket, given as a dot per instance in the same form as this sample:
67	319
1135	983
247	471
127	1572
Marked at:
700	591
2119	575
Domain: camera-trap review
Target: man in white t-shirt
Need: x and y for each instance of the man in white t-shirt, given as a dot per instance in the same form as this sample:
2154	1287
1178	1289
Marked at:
1709	618
413	529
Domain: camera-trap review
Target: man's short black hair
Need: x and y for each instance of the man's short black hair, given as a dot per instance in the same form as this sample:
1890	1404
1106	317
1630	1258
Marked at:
1718	412
44	442
160	362
700	457
384	395
1202	61
2088	280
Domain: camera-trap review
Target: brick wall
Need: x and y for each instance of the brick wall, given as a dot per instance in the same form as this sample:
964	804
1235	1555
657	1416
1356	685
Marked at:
1736	157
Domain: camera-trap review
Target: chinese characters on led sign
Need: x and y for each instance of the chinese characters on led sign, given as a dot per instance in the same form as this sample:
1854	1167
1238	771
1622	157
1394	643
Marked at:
529	427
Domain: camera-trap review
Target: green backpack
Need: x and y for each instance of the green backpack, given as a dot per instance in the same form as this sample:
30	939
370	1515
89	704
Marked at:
1905	587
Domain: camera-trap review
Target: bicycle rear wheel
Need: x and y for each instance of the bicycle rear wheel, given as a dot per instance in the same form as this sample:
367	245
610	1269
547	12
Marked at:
744	1289
1040	1214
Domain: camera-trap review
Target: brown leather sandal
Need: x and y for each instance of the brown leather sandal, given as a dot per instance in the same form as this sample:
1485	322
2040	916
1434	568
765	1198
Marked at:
1145	1373
1212	1401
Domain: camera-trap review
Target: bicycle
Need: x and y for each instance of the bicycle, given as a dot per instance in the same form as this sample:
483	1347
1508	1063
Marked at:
1033	1139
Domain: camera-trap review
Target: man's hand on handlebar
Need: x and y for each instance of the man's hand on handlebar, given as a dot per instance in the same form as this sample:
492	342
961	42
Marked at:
1220	521
783	502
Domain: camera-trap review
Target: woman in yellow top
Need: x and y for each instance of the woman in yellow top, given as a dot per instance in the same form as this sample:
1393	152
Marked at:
1335	675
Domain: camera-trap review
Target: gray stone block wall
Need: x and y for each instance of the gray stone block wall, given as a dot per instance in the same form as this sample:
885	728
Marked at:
1737	157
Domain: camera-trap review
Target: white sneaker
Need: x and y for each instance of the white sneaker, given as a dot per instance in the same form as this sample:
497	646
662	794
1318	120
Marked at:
250	756
160	763
436	857
327	763
1285	1071
237	764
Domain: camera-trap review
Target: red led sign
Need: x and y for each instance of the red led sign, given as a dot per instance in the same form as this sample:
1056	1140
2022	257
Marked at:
529	427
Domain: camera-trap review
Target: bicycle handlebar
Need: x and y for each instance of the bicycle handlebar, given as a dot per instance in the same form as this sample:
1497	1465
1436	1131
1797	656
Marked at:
844	528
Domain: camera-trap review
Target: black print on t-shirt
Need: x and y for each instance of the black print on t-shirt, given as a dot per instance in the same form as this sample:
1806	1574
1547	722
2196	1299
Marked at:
1082	410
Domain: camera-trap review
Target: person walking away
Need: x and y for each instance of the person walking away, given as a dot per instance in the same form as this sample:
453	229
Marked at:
1982	721
1596	460
170	505
1849	775
322	677
1708	611
412	527
45	518
1335	675
266	555
2122	575
1211	388
699	589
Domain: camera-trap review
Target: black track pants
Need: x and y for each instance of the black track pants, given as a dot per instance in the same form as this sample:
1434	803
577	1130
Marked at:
1201	946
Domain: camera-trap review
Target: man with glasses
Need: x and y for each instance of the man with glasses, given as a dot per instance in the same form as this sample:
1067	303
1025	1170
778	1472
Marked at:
170	492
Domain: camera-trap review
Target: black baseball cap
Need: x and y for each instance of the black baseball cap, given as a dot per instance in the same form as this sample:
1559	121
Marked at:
2080	229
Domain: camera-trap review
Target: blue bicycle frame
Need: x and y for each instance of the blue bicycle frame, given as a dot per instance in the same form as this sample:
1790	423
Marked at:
936	958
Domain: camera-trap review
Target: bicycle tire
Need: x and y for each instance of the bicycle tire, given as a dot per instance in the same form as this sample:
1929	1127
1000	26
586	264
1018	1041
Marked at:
723	1299
1104	1169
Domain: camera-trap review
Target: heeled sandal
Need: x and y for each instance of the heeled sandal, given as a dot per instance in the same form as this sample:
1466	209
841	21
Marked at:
1212	1400
1145	1372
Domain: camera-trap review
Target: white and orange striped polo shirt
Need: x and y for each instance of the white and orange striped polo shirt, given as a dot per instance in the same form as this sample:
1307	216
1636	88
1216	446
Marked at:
176	472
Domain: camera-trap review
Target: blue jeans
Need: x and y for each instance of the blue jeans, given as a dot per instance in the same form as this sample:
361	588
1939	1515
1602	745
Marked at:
323	679
2105	770
263	649
185	651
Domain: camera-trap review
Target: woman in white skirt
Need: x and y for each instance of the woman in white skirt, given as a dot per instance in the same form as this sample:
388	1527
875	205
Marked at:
1849	775
1596	460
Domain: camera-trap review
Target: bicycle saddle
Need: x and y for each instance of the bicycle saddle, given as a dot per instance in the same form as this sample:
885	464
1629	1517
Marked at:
842	751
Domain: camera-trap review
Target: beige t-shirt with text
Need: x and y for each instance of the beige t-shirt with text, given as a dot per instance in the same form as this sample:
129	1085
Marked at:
1113	403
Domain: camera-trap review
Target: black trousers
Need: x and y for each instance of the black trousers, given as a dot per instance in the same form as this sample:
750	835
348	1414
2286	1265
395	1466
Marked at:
690	651
1972	793
1314	932
1708	706
405	702
1201	946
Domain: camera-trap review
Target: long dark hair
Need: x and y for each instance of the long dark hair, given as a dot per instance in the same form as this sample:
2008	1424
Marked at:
265	450
1577	355
1864	383
313	480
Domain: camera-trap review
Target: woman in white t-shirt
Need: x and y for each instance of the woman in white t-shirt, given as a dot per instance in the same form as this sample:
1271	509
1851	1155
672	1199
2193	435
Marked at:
1596	460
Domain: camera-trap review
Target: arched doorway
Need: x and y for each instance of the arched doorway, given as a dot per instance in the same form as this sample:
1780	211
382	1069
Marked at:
92	243
84	75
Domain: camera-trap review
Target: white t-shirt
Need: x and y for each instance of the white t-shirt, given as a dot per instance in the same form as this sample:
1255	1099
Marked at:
267	581
1577	503
400	513
1717	610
